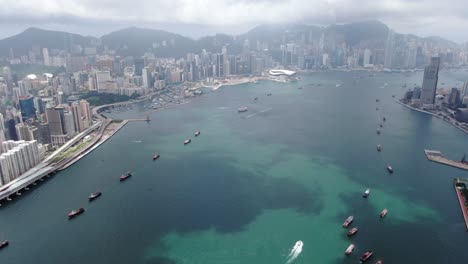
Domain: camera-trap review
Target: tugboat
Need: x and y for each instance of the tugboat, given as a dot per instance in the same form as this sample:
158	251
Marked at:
156	156
349	250
367	255
353	231
379	147
242	109
197	133
348	221
4	244
124	177
187	141
383	213
75	213
389	169
366	193
94	196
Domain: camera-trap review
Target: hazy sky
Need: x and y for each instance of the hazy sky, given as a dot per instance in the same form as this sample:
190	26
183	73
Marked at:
445	18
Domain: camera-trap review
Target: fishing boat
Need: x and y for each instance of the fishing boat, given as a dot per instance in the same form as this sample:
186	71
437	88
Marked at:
383	213
350	249
94	196
348	221
367	255
75	213
353	231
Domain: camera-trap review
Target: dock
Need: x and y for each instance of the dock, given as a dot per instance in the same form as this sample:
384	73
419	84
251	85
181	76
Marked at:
462	195
436	156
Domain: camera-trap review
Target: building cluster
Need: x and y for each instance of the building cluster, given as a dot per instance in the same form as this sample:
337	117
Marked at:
18	157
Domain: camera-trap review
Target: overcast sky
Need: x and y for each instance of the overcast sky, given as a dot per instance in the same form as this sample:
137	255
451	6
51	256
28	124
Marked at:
194	18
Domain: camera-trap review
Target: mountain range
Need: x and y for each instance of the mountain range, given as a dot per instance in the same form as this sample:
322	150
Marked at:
138	41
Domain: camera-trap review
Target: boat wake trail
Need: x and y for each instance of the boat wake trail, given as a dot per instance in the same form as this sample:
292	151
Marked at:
268	109
249	116
295	252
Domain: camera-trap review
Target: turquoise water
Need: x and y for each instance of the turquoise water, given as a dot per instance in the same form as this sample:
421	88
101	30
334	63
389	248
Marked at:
291	168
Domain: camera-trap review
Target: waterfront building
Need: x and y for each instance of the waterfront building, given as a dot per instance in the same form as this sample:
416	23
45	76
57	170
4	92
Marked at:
27	107
429	86
17	158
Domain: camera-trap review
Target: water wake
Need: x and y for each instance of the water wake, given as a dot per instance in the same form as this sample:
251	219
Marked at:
295	251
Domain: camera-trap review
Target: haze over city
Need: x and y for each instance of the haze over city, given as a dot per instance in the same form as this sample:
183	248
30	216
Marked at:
200	18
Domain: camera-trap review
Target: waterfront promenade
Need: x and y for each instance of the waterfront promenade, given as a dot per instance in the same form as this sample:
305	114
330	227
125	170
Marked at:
433	114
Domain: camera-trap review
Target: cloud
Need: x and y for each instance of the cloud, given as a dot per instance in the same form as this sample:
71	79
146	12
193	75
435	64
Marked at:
430	17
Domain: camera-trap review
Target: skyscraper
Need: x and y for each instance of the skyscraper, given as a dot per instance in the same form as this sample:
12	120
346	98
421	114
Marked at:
27	107
146	75
429	86
219	65
55	119
139	64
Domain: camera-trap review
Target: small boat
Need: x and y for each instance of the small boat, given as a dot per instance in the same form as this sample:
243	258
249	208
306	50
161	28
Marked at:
124	177
156	156
379	262
268	94
384	119
256	98
300	88
379	147
187	141
93	196
348	221
393	95
75	213
377	108
242	109
389	169
197	133
383	213
353	231
378	131
377	100
367	255
366	193
381	125
4	244
350	249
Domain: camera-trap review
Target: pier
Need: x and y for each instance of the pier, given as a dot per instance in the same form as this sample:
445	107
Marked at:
436	156
462	195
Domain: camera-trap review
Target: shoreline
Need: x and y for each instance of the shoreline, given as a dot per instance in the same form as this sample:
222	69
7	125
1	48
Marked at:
429	113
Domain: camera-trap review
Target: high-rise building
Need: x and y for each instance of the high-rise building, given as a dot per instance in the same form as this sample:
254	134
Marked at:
102	77
139	64
146	75
27	107
10	126
43	133
429	86
24	132
69	121
367	58
220	65
2	129
75	110
18	157
55	119
86	112
45	55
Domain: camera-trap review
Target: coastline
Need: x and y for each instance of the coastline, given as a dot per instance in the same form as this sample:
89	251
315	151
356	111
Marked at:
426	112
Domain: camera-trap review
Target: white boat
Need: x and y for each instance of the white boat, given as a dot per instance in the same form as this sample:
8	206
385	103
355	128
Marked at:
187	141
350	249
366	193
242	109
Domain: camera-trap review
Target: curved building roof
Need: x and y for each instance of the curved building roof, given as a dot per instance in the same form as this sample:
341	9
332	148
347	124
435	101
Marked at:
282	72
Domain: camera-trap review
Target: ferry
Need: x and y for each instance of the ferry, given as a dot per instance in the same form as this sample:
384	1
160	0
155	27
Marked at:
350	249
156	156
4	244
367	255
94	196
379	147
389	169
75	213
123	177
242	109
187	141
353	231
197	133
366	193
383	213
348	221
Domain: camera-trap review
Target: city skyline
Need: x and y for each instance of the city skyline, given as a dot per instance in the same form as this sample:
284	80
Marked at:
232	17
